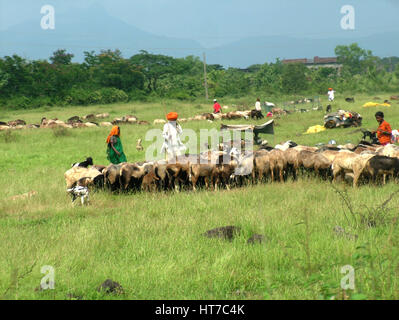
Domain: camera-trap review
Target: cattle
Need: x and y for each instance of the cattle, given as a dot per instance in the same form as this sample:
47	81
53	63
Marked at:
150	181
131	175
278	111
314	161
159	121
17	122
89	117
256	114
222	173
73	175
139	147
102	115
345	162
201	170
84	164
245	167
106	124
178	175
208	116
74	119
91	124
162	174
261	163
382	165
99	167
112	176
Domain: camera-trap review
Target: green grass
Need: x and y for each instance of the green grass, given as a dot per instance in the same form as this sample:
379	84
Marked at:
152	244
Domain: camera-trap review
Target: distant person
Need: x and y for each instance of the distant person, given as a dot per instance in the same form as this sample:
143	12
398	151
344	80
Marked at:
115	152
216	106
257	105
172	146
331	94
384	131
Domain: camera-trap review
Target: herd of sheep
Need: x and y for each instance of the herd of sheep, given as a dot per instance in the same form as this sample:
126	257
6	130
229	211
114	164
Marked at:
93	120
362	162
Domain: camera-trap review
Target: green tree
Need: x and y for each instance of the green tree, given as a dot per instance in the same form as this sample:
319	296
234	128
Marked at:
355	59
154	67
294	78
61	57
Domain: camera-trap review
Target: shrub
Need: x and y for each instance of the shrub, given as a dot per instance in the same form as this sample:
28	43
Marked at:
9	137
20	102
61	132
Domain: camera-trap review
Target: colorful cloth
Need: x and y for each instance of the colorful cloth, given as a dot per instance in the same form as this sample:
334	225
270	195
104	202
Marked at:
172	144
375	104
216	107
315	129
114	139
384	138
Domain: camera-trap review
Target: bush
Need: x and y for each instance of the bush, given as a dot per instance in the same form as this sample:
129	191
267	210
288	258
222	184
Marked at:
112	95
137	95
79	96
179	95
8	137
20	102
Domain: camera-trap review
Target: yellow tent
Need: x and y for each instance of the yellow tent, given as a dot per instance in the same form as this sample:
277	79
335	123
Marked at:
375	104
315	129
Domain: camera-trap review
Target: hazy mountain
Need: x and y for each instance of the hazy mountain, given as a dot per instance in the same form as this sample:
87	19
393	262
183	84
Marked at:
89	29
249	51
94	29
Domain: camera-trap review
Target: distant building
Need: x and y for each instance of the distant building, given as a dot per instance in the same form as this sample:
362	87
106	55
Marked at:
316	62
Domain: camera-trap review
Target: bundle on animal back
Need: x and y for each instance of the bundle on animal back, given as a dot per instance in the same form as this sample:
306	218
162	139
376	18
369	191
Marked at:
73	175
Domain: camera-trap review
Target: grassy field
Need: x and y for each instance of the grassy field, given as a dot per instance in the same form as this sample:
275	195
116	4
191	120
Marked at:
152	244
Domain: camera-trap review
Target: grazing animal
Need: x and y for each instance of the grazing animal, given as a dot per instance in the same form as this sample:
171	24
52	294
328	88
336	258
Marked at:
84	164
139	147
76	173
372	136
256	114
74	119
382	165
351	100
149	182
78	191
328	109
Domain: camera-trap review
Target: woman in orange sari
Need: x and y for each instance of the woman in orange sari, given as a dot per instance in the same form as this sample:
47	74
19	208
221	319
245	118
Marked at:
115	152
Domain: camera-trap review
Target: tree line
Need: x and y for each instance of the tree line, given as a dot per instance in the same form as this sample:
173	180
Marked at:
108	77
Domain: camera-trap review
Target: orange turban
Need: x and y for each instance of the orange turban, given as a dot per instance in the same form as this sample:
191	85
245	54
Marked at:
114	132
172	116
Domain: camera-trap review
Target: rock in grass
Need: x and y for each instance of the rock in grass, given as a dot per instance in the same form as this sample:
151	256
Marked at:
339	231
72	296
256	238
223	232
109	286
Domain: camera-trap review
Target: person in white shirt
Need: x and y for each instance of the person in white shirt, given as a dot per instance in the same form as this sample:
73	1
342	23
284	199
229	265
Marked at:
257	105
330	93
172	146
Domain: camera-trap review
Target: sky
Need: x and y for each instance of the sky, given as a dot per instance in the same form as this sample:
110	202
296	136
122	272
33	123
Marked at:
218	22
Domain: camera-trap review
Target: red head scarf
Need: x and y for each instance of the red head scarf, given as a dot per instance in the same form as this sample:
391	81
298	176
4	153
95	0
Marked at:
115	131
172	116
